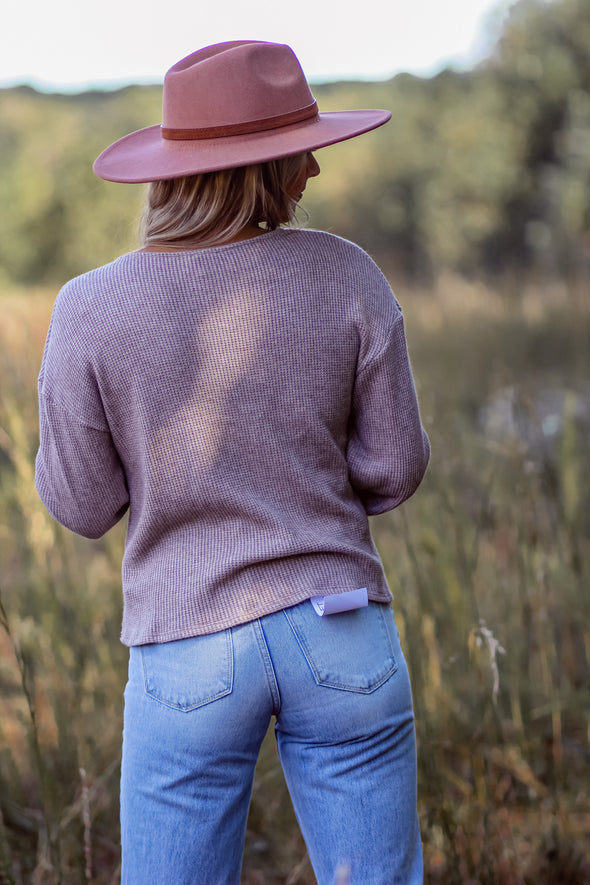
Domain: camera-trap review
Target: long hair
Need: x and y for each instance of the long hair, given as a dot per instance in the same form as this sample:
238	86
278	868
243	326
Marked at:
213	207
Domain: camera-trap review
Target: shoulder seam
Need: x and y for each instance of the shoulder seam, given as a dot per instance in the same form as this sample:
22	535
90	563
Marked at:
46	396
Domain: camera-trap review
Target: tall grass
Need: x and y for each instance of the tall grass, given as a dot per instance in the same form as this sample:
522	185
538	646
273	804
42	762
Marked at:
489	564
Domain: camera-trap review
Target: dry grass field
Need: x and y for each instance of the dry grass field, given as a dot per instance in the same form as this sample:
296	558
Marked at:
490	568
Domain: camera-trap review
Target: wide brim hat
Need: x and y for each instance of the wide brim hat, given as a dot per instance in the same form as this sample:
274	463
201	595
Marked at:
232	104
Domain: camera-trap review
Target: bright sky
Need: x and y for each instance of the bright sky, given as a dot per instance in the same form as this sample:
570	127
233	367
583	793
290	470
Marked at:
73	44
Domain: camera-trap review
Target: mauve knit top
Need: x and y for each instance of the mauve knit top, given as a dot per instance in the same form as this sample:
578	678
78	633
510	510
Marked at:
251	405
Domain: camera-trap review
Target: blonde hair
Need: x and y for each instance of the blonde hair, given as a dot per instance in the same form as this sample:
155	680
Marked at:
213	207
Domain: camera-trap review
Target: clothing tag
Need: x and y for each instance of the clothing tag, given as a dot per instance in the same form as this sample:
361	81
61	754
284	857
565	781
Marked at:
340	602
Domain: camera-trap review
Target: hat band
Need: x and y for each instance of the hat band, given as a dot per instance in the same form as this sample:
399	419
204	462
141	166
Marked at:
246	128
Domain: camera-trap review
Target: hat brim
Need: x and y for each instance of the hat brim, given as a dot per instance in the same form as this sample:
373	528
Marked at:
145	156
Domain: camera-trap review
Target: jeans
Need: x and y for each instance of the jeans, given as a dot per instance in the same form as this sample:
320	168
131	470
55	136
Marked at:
196	711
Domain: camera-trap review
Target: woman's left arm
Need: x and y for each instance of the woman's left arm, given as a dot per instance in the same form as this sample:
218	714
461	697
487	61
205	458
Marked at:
388	449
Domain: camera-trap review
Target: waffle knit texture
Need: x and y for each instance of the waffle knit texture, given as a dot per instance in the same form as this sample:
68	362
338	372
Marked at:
250	405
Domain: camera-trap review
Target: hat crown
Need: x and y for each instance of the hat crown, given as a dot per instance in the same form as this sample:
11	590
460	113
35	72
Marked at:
234	83
238	103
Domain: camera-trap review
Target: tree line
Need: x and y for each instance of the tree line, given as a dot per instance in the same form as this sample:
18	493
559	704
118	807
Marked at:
485	173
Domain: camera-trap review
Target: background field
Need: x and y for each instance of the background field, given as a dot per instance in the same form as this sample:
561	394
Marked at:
476	202
489	566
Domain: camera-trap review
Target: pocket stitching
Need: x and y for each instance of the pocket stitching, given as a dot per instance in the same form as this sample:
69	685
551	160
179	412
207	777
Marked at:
228	679
342	686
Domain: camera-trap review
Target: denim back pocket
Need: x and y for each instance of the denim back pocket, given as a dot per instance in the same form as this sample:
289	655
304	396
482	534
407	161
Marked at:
189	673
351	651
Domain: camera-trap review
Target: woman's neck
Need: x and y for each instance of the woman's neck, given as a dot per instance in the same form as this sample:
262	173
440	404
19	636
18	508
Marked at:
186	245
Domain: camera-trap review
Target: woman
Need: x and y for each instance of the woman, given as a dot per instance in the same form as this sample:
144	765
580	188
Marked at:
245	391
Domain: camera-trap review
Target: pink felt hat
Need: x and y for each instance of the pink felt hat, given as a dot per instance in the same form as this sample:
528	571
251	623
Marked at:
232	104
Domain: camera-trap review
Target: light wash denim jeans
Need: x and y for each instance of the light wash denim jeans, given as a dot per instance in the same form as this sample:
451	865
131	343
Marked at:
196	712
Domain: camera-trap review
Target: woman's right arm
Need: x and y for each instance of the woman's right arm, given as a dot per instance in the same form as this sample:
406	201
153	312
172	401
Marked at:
79	475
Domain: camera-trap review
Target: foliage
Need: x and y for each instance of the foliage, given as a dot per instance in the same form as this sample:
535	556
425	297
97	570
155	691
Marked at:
486	172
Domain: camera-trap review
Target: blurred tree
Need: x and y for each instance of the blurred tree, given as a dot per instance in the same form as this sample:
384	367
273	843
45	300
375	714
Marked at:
57	218
479	172
431	191
542	66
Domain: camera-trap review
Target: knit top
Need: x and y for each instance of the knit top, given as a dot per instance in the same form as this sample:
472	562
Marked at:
250	405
